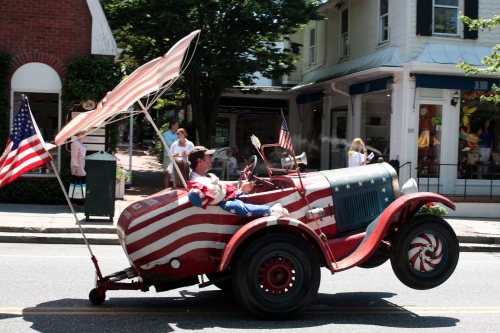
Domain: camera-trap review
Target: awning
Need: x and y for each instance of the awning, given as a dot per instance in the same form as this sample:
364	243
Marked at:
451	54
454	82
385	58
262	106
369	86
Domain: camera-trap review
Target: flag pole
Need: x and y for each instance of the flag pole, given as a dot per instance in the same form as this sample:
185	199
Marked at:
59	179
302	191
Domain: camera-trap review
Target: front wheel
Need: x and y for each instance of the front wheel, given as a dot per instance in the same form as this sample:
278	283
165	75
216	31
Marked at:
277	276
424	252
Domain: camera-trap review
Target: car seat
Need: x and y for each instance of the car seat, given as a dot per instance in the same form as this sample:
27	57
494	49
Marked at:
184	168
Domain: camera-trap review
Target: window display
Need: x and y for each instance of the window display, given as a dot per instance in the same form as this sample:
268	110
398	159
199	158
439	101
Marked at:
478	150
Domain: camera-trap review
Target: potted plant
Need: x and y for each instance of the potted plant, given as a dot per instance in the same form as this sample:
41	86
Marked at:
122	176
431	208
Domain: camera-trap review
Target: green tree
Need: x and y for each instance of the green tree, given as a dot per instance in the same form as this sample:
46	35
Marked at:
237	40
492	62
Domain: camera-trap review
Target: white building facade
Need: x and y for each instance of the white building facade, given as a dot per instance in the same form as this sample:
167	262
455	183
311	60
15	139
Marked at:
386	71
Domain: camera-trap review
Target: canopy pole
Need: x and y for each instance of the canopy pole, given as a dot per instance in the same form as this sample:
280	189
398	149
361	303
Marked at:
148	116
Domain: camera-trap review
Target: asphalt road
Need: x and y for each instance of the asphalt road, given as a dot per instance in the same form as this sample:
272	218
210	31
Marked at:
45	289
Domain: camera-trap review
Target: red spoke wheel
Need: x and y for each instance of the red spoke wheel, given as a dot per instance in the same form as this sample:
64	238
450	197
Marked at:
277	276
424	252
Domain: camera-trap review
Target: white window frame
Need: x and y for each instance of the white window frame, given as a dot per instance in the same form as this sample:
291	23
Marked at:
458	9
312	46
383	23
344	35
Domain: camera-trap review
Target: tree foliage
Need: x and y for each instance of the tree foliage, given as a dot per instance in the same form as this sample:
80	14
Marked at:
237	40
491	63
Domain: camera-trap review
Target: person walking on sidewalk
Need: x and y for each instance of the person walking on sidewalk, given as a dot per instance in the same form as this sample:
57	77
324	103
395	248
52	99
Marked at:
170	137
77	165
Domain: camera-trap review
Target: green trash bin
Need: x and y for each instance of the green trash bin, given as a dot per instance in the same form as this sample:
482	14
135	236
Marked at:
101	180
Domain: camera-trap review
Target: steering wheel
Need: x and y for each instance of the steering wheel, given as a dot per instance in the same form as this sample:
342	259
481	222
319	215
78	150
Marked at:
247	173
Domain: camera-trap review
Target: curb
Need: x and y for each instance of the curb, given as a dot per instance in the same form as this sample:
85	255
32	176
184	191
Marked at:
59	230
95	239
481	244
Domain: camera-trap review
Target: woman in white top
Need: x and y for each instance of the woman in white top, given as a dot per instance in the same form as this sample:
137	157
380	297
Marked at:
77	164
180	148
358	154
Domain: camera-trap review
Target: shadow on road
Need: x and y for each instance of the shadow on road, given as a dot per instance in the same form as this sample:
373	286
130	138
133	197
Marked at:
211	309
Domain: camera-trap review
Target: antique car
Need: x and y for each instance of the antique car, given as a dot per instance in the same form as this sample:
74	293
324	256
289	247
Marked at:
338	219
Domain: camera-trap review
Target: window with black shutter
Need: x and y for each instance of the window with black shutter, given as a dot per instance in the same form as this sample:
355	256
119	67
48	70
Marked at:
471	9
424	17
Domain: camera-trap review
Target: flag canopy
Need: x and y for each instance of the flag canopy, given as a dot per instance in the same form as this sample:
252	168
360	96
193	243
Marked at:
158	74
25	149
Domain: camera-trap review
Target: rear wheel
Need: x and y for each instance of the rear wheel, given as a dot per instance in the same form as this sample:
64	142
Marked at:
424	252
277	276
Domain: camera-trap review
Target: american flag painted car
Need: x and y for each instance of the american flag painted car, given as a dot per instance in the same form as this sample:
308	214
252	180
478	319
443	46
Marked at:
338	219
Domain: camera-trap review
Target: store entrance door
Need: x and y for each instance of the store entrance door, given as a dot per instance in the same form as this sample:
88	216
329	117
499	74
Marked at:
338	139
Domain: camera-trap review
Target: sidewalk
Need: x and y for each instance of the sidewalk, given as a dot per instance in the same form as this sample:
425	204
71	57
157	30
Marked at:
55	224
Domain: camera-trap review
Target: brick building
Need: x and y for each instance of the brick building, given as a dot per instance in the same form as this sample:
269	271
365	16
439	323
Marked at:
42	37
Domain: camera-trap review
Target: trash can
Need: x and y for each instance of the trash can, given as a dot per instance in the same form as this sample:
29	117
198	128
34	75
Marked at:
101	180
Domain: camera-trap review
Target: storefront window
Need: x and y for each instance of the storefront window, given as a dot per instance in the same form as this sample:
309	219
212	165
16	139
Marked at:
265	128
220	135
478	146
377	123
44	107
429	140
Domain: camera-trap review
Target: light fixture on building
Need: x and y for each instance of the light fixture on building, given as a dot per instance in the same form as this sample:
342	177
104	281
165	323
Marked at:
455	98
340	4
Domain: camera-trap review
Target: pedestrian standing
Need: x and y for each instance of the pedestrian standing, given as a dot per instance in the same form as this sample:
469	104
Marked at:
179	148
77	165
358	155
170	137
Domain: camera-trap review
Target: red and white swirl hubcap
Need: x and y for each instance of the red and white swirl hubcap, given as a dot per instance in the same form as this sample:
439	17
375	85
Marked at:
426	252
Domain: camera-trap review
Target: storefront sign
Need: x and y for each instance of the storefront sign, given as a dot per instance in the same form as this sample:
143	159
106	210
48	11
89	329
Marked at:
309	98
455	82
368	86
243	110
251	106
96	137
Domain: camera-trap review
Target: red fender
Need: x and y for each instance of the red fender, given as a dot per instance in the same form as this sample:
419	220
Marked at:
264	222
399	211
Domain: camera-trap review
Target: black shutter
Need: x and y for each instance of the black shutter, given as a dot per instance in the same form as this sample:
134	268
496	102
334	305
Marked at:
424	17
471	9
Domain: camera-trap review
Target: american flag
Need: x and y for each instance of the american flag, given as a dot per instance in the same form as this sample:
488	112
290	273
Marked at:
25	149
285	140
157	74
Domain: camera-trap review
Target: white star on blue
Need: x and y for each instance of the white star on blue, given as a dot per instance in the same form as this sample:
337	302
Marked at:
22	128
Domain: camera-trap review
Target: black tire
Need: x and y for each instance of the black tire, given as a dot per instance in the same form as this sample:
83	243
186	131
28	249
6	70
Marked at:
224	285
97	296
424	252
277	276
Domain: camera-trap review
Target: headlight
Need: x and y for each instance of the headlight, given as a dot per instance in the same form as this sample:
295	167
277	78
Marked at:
409	187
